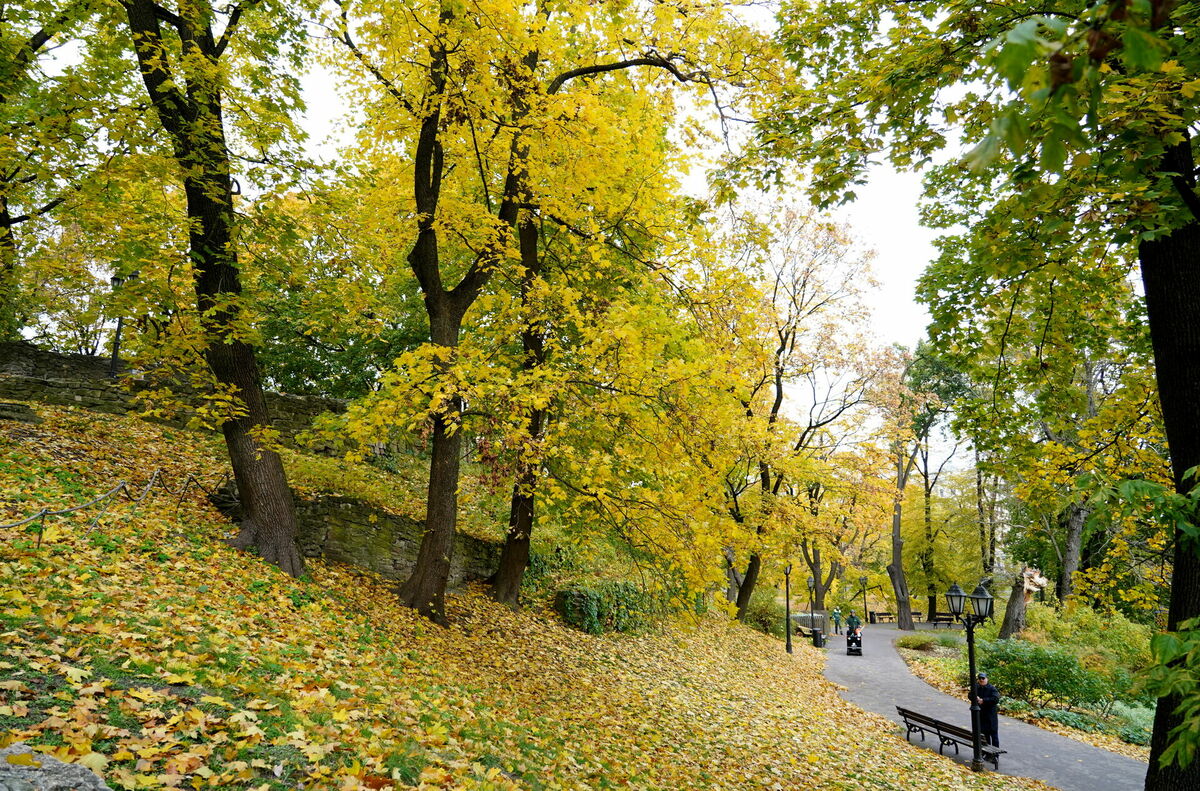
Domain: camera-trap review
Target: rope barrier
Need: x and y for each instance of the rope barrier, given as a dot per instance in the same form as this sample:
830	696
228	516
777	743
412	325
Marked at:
123	487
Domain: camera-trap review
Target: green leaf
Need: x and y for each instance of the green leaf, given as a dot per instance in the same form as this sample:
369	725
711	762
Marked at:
1054	154
1142	50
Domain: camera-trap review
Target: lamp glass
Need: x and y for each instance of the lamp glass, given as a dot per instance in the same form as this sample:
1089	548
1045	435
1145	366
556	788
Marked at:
981	602
956	599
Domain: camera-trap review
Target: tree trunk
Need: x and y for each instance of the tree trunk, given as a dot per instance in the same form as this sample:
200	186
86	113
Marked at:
931	591
10	322
425	590
895	569
812	558
733	579
981	514
1014	614
1073	519
268	513
746	589
990	565
192	119
1171	278
514	557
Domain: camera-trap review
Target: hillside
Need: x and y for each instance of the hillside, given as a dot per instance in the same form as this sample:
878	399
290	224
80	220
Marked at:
144	648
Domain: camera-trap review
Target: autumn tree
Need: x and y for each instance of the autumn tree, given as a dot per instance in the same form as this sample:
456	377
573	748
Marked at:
63	120
188	58
815	372
463	98
839	513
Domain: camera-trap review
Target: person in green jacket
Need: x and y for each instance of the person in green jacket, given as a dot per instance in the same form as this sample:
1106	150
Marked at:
836	615
853	622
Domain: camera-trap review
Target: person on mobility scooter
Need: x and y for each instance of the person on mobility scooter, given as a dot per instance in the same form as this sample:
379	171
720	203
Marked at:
854	642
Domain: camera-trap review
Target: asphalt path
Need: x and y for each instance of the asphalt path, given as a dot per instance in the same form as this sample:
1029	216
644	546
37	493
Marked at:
879	681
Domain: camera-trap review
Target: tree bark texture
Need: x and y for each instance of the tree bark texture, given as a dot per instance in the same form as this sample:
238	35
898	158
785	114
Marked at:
746	589
733	578
895	569
982	516
1073	520
514	557
931	592
1014	613
193	121
822	580
425	590
10	323
1171	278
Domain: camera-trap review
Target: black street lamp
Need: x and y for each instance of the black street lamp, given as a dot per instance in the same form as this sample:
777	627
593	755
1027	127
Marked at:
787	598
981	605
116	281
863	582
811	588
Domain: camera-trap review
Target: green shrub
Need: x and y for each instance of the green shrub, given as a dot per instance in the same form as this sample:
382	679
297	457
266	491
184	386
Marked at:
1015	706
917	642
1135	715
765	613
1072	719
1103	642
1135	735
1042	676
612	606
1136	722
949	641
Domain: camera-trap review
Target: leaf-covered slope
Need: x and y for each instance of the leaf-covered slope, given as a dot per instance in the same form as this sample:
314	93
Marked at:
146	649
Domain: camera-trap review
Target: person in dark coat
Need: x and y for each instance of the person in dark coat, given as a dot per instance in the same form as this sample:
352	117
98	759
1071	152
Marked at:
989	720
852	622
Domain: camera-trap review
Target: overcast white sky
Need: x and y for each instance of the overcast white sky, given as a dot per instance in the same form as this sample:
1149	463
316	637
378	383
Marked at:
885	219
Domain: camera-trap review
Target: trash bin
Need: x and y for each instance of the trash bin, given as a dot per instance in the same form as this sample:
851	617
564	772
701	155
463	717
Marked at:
818	638
871	617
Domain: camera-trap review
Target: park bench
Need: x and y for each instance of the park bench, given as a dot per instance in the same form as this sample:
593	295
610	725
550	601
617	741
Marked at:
939	618
946	733
883	617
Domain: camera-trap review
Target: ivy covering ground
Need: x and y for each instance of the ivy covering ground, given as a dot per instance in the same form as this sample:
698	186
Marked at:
146	650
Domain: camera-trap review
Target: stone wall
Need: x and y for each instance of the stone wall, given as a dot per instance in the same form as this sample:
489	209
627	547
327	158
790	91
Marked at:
28	373
351	531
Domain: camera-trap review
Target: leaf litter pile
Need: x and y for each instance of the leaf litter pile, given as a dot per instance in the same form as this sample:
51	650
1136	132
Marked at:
145	649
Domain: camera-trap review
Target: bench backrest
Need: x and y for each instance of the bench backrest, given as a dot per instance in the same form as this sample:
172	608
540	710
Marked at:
920	719
925	719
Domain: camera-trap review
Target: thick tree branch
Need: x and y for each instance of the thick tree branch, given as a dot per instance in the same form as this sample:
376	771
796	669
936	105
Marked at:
168	101
658	61
170	17
46	209
25	55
